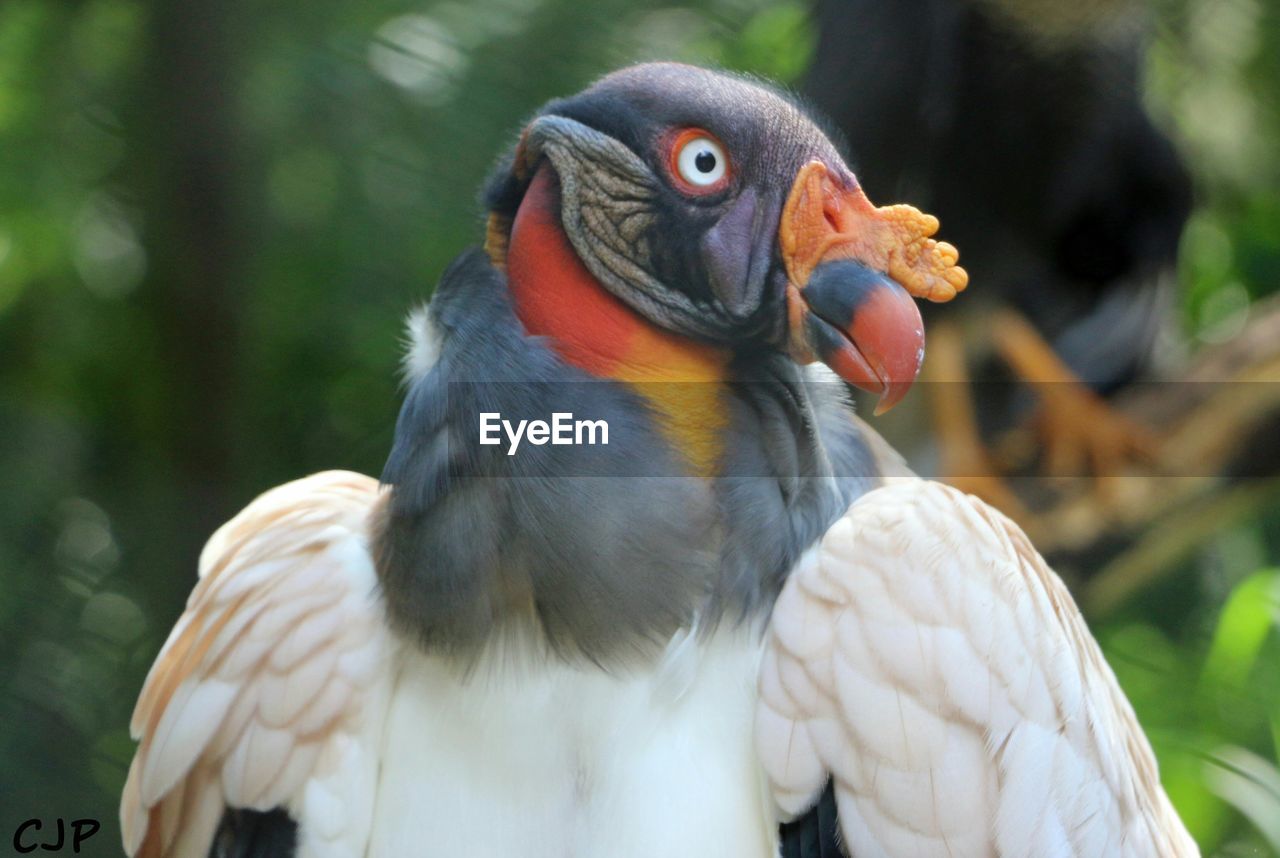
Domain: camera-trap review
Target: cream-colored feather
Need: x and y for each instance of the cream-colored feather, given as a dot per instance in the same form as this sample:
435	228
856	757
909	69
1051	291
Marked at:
271	687
925	658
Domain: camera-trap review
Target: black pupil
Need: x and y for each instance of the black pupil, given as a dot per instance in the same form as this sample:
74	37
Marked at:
705	161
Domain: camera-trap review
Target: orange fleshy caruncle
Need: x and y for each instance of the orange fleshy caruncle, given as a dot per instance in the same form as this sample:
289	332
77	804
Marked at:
894	239
853	270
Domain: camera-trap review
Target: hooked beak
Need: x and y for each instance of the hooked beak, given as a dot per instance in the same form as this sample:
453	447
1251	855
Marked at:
852	271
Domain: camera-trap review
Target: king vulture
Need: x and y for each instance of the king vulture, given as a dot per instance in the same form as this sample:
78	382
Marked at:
739	628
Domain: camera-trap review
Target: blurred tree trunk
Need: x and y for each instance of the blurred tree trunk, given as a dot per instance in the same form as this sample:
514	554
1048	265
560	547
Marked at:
186	145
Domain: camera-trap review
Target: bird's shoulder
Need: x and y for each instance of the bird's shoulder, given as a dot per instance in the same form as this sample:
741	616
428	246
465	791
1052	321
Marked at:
925	657
268	682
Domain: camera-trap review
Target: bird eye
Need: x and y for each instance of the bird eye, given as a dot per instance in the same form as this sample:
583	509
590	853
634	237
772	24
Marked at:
699	161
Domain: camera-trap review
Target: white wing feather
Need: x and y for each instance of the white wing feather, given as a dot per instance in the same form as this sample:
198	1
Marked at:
925	658
270	689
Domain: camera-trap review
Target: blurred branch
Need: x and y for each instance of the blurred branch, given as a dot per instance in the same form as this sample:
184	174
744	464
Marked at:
1171	538
1218	463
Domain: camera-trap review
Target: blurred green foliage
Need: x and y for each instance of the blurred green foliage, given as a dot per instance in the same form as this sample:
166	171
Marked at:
214	216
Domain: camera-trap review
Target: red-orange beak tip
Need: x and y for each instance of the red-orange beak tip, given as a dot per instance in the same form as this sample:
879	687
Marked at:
894	392
853	270
864	326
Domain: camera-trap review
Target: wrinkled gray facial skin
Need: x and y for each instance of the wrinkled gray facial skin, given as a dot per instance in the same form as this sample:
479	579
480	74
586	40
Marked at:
603	553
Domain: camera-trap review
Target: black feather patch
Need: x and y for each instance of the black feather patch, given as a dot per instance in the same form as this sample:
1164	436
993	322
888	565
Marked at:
252	834
817	833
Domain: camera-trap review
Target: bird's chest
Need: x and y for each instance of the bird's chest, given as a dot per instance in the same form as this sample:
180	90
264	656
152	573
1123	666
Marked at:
571	762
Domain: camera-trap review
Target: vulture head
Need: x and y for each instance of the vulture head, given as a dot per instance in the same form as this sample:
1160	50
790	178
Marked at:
713	208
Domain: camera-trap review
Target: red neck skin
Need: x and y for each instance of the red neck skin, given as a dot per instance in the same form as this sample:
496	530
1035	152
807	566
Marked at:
556	297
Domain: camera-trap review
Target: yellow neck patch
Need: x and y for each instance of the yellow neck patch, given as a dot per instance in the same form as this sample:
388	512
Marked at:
685	387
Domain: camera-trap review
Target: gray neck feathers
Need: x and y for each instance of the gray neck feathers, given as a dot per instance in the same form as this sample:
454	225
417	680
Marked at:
598	552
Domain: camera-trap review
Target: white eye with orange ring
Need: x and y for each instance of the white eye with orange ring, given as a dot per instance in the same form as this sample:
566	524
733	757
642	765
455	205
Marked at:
699	160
